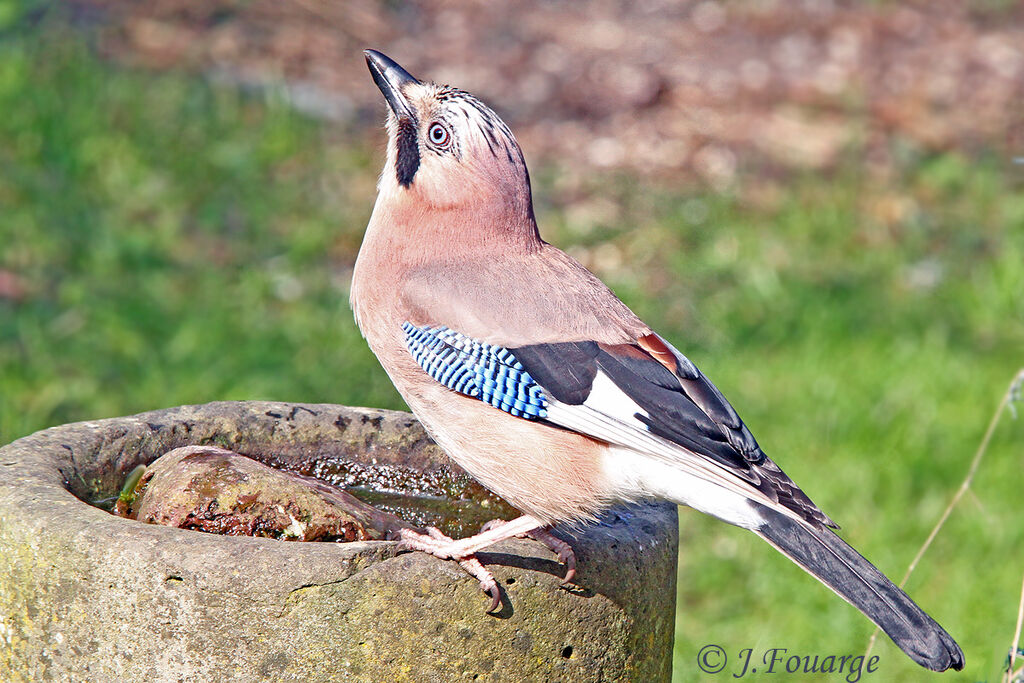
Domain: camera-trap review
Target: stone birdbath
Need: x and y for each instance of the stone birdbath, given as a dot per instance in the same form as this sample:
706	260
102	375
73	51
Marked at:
89	596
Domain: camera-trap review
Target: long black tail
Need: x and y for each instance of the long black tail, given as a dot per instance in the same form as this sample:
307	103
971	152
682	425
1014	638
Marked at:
830	560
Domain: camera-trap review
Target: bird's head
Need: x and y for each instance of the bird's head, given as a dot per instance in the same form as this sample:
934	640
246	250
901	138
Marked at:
446	149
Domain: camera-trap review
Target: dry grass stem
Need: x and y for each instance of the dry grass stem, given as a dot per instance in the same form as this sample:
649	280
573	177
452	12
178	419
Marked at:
1011	395
1012	675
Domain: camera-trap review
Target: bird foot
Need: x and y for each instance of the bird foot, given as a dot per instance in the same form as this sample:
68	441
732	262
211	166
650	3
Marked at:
464	550
437	544
563	550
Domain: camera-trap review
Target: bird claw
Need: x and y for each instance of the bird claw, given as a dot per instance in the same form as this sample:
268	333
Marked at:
488	584
494	592
563	550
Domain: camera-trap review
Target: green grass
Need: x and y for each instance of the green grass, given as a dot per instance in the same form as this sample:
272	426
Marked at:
866	331
180	242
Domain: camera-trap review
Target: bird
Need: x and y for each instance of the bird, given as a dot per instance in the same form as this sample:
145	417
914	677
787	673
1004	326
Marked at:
539	382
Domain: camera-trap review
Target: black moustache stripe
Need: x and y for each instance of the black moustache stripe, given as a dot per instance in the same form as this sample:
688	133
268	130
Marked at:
408	152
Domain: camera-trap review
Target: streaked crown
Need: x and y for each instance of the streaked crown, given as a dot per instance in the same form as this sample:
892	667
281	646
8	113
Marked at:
445	146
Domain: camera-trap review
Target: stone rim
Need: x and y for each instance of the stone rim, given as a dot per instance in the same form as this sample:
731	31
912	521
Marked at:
40	473
296	609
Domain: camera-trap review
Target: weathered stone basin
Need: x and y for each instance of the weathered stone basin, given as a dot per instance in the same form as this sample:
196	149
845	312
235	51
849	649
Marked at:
88	596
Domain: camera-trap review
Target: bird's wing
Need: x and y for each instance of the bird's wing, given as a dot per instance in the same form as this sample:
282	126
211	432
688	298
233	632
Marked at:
645	396
648	396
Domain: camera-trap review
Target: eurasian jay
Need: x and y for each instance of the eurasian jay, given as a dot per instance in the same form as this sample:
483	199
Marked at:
539	382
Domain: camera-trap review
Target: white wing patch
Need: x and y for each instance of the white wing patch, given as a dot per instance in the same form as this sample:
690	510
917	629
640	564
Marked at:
647	462
607	398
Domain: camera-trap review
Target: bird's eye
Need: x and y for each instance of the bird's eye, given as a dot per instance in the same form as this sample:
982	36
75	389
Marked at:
439	135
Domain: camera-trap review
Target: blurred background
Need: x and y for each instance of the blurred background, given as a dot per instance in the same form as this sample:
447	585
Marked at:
820	202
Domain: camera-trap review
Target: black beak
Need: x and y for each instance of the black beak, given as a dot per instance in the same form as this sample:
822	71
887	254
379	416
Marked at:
391	78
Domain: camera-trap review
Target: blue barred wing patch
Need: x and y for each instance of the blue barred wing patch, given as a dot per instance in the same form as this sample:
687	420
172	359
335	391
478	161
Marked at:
484	371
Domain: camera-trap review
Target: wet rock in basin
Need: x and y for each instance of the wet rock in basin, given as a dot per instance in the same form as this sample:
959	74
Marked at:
215	490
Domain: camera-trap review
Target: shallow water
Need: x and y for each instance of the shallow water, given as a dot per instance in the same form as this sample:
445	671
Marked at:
454	503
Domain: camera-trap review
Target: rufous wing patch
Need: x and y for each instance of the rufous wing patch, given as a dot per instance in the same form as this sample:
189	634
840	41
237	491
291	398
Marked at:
652	344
